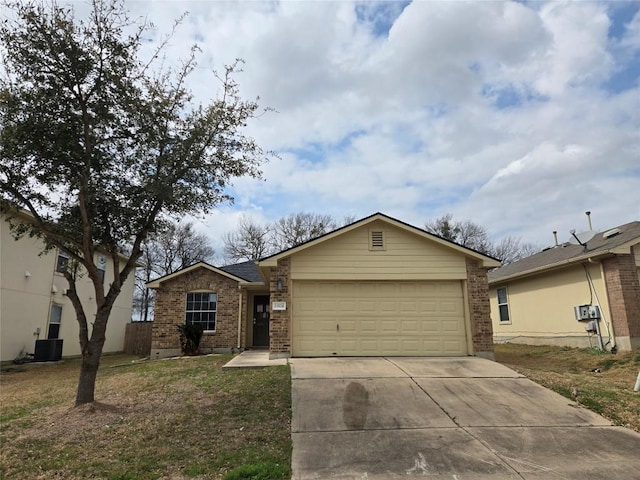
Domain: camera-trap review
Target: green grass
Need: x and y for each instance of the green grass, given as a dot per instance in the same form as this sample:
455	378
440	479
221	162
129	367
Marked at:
178	419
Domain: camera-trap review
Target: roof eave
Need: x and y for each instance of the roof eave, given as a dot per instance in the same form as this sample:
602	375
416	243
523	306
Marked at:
552	266
156	283
487	262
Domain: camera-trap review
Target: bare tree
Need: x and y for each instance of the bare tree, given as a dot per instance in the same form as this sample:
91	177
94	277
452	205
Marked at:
467	233
297	228
251	241
511	249
476	237
173	248
444	227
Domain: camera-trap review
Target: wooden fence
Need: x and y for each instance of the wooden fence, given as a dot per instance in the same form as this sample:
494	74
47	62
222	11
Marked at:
137	338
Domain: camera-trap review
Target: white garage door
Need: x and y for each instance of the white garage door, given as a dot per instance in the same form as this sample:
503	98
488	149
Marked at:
371	318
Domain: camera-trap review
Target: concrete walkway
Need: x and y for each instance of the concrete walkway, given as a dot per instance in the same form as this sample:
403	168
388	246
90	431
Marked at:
253	359
454	418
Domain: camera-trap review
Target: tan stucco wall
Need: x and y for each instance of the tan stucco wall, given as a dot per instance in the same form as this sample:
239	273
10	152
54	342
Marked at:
25	301
541	307
407	257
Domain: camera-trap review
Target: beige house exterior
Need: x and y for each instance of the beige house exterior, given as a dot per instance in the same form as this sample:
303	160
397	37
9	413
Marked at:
376	287
33	304
533	300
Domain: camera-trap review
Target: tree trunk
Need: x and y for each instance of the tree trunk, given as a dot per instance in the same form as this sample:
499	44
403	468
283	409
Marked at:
91	358
88	372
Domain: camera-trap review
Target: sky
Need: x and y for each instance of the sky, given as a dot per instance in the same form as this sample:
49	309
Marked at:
519	116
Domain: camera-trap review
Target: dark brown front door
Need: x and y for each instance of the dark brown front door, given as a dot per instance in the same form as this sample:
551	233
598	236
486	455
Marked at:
261	321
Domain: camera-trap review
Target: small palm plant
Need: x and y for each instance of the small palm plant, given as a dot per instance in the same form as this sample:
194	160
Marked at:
190	336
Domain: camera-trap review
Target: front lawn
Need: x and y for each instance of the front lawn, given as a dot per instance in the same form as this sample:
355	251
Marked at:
604	382
170	419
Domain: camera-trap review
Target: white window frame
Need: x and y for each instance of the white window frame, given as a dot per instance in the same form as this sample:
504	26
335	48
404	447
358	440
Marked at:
200	310
65	255
55	319
504	304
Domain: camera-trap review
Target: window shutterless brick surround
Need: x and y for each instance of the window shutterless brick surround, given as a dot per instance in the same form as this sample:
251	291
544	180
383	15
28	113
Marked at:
623	292
170	312
479	309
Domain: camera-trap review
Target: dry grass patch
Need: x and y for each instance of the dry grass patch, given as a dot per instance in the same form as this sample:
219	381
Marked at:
604	381
171	420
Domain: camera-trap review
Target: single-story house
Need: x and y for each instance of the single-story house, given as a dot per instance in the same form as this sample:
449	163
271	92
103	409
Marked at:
533	300
375	287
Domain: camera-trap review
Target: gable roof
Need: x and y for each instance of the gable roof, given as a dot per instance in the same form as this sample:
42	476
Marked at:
568	253
243	281
487	261
247	270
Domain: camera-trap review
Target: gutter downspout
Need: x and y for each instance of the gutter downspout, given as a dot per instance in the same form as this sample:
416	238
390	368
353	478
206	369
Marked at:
239	315
612	332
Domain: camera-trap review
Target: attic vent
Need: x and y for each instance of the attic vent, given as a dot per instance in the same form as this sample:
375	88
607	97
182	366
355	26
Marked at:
377	240
611	233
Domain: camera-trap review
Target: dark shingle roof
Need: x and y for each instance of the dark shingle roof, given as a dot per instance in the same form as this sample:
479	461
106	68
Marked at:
246	270
567	253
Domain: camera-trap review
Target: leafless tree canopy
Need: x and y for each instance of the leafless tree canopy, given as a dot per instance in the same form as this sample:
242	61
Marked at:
476	237
252	240
174	247
297	228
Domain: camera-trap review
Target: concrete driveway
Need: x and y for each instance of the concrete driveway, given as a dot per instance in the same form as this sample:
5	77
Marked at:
454	418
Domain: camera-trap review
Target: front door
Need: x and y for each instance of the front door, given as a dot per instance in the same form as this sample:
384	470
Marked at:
261	321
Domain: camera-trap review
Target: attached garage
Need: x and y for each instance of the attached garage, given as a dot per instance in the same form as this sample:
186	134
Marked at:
372	318
379	287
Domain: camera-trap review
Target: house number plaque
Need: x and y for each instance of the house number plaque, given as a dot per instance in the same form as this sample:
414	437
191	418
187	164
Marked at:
275	306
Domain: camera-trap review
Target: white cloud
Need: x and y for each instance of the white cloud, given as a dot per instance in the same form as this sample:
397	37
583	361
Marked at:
496	111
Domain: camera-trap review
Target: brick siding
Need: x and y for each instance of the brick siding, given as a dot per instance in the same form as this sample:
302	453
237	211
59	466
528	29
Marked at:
479	308
171	303
279	330
623	292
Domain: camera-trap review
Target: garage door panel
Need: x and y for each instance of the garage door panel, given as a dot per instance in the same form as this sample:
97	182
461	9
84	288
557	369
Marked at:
377	318
409	327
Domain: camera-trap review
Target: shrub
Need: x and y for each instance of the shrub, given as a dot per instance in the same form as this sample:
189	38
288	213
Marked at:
190	336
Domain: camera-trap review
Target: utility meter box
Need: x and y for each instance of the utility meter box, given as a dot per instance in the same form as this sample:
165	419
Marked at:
582	313
585	313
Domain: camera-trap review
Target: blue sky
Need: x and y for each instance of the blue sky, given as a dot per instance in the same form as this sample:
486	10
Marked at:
517	115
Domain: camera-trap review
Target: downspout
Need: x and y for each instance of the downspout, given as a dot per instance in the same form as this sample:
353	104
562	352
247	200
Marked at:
239	315
612	333
467	318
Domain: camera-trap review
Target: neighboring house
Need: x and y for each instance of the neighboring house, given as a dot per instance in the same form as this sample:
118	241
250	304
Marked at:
375	287
533	300
33	304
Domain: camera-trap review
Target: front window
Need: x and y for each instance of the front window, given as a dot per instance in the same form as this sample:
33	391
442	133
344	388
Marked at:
503	305
201	309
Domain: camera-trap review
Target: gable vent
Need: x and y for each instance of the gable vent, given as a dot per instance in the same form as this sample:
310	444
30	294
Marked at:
377	239
611	233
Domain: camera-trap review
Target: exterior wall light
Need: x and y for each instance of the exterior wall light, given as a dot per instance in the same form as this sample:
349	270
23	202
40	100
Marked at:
279	285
